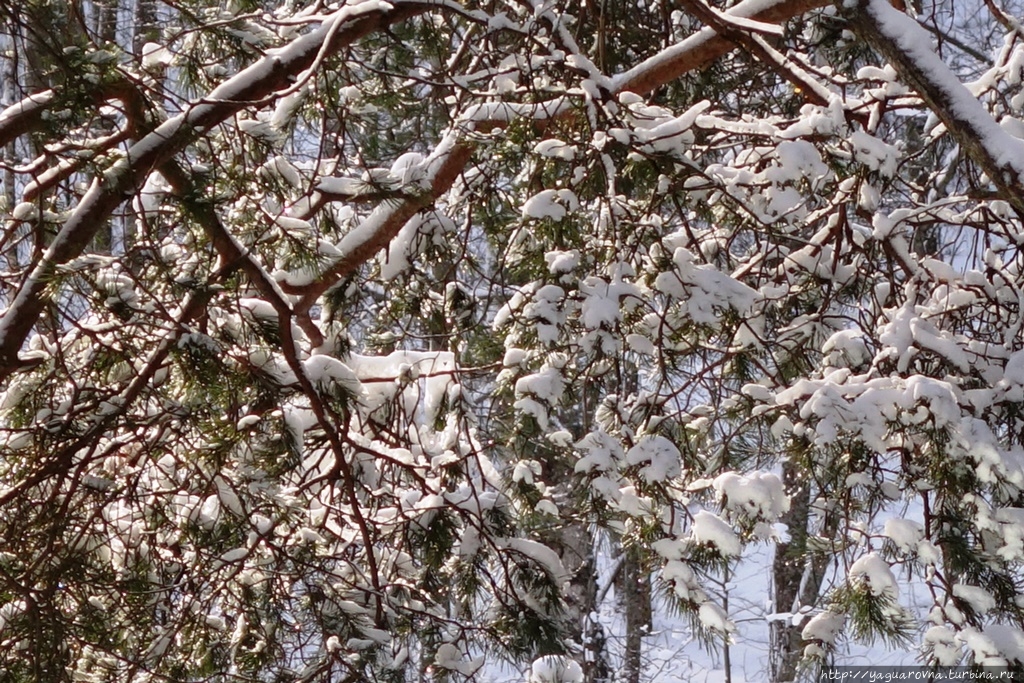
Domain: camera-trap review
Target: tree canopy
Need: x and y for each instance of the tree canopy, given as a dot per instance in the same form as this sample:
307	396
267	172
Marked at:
366	340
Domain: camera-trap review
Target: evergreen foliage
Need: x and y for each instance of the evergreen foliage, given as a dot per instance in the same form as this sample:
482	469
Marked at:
341	341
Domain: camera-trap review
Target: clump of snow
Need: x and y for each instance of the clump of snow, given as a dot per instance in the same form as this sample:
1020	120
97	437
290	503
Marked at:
555	669
661	455
638	343
683	580
546	385
905	534
759	495
928	553
603	452
1014	371
420	382
514	357
824	627
553	204
625	498
995	645
560	262
148	200
715	618
873	153
513	306
1011	533
525	471
325	371
410	169
670	548
156	57
940	644
702	290
537	393
418	233
797	159
601	301
555	149
539	553
708	528
538	304
846	349
874	572
669	135
980	600
451	658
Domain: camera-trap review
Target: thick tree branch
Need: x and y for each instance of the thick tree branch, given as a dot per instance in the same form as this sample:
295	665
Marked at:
63	170
812	91
361	245
907	47
705	46
449	159
263	79
23	116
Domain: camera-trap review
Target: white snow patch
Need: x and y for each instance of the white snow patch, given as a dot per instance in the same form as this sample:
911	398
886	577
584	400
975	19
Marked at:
758	495
874	572
710	529
904	533
824	627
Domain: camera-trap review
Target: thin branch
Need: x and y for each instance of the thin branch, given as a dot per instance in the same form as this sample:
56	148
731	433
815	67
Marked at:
61	462
231	252
956	42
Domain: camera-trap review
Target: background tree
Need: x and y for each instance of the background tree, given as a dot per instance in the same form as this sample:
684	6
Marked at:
348	341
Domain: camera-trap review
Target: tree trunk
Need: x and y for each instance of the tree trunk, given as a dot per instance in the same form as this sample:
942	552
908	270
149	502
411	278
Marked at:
146	28
797	575
635	592
106	35
9	95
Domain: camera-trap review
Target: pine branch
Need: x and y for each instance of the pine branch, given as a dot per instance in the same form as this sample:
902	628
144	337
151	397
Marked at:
452	155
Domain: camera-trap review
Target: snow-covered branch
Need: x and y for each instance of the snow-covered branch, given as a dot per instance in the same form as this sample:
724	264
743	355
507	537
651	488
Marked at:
23	116
908	47
706	45
260	80
745	36
449	159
